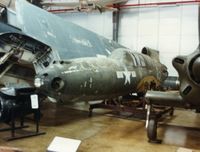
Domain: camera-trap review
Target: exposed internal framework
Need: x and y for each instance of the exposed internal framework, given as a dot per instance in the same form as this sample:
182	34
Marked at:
20	51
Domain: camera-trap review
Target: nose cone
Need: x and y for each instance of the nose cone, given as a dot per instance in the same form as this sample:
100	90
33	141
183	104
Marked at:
49	82
57	83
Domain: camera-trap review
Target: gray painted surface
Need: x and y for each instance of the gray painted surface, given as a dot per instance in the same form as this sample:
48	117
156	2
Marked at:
69	40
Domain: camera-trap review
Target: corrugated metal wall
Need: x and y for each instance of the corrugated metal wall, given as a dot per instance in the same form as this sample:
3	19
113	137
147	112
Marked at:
172	30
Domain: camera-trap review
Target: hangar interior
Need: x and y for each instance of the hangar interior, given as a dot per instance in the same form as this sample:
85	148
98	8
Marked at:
169	26
154	26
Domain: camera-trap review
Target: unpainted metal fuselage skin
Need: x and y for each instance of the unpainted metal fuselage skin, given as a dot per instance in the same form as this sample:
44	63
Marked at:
96	78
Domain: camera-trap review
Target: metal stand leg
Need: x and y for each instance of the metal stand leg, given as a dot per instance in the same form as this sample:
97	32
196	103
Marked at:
28	133
37	118
12	123
90	111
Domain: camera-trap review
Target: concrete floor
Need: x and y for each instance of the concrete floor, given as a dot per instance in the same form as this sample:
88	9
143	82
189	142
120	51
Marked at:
109	134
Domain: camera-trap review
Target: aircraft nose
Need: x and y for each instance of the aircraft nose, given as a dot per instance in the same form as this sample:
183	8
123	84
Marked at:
49	82
57	83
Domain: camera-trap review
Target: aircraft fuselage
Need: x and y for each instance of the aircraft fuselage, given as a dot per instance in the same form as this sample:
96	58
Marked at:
95	78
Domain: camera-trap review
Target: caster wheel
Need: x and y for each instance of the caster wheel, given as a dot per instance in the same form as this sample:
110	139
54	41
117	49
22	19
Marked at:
152	131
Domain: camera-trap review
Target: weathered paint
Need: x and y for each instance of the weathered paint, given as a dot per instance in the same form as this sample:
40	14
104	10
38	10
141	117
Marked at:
81	67
113	78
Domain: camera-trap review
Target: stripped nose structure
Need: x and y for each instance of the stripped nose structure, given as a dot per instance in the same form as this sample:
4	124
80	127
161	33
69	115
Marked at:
57	83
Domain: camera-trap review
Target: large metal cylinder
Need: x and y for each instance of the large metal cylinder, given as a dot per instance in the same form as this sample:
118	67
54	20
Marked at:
171	83
164	98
